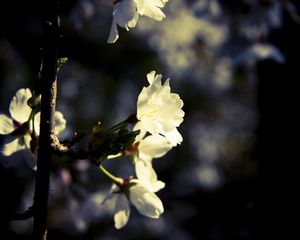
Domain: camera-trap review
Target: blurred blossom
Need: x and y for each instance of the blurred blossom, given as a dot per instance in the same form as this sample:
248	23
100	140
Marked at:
209	176
223	74
88	210
208	8
258	52
207	140
260	20
83	11
176	37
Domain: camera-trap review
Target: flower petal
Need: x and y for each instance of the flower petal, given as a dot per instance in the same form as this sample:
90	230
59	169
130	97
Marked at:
151	9
122	211
125	13
18	108
143	131
174	137
60	122
146	174
158	109
154	146
147	203
6	124
113	34
12	145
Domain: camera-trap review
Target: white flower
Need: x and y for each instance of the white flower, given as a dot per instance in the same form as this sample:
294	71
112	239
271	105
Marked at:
135	191
159	110
19	122
126	14
19	112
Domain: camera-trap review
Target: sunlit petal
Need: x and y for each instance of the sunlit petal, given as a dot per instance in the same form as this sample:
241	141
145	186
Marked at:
6	124
151	9
12	145
60	122
155	146
18	108
122	211
146	202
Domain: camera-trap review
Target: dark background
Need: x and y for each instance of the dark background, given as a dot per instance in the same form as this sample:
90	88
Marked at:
247	205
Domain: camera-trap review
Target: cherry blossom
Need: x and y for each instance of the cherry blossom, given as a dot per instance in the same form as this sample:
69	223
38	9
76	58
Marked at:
159	110
19	125
126	14
136	192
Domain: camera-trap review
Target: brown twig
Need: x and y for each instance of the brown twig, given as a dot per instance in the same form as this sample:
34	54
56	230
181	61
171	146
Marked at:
48	104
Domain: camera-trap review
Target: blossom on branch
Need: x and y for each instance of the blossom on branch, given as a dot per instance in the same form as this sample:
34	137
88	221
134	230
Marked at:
126	14
138	193
21	125
160	111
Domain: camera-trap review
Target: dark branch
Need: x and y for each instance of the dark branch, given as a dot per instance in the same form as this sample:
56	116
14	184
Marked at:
61	149
48	104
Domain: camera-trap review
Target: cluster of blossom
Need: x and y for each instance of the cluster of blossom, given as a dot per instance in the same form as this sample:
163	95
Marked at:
22	127
159	113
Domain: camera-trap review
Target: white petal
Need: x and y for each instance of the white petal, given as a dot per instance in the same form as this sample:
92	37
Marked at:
143	131
18	108
151	76
125	14
174	137
6	124
147	203
151	9
114	34
111	196
122	211
132	23
147	176
151	125
60	122
12	145
154	146
26	140
37	122
144	170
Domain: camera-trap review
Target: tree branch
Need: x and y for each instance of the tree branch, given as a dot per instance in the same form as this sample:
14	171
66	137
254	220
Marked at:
48	104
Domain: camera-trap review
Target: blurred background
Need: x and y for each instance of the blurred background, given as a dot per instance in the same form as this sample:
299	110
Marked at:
232	62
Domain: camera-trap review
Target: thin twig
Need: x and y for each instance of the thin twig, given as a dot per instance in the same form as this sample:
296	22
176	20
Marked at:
48	104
